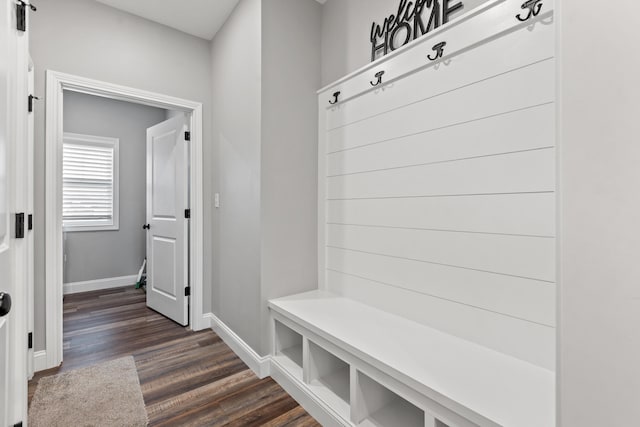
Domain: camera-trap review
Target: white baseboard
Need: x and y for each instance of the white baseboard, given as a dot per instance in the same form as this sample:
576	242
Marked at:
40	361
207	321
100	284
258	364
267	366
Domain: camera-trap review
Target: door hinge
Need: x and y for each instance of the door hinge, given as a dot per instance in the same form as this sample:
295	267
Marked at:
187	136
187	291
30	102
21	14
187	213
30	340
20	225
30	222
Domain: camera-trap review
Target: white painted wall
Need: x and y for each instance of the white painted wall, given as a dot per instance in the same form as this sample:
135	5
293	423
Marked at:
289	170
265	138
599	319
113	46
92	255
346	26
236	80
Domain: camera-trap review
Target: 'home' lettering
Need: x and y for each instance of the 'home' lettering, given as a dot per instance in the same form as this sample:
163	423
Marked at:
412	20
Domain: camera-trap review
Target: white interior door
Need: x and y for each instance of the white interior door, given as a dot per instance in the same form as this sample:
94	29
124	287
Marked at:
29	228
167	272
6	274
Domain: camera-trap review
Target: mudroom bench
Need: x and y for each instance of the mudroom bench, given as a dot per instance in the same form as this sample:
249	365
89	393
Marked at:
352	364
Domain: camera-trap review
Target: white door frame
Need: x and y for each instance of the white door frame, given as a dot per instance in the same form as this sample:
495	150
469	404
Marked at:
57	83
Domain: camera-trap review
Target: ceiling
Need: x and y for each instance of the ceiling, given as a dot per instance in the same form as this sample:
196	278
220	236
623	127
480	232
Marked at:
200	18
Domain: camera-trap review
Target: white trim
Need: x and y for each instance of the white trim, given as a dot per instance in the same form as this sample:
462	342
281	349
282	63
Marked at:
39	361
57	83
99	284
259	364
98	225
264	366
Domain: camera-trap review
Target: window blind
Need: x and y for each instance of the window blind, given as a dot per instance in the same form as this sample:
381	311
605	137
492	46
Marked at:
88	181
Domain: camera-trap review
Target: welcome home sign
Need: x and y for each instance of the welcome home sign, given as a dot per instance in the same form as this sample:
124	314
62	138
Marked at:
412	20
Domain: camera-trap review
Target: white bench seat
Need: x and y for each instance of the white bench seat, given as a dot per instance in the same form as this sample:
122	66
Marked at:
482	385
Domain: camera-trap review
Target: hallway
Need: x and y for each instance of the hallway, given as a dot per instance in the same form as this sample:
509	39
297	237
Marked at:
186	378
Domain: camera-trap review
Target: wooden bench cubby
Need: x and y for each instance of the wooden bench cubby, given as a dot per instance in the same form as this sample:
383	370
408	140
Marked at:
328	377
376	405
288	348
352	395
365	367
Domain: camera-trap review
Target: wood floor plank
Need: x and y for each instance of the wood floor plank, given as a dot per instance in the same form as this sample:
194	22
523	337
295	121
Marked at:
187	378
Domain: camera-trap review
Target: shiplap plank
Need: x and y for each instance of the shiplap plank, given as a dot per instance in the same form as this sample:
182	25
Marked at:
516	49
525	299
494	135
525	87
525	214
529	171
530	257
524	340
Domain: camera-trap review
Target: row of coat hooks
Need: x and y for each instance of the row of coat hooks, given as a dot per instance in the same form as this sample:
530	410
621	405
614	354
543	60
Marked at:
532	8
438	52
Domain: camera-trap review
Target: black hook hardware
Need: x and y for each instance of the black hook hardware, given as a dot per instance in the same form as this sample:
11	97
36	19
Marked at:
146	227
25	4
378	75
533	9
335	98
30	102
5	304
21	14
439	50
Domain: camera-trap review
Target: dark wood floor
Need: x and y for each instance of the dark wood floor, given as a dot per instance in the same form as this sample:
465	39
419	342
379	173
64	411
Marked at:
187	378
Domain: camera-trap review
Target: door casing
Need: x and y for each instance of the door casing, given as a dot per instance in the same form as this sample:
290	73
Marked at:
56	84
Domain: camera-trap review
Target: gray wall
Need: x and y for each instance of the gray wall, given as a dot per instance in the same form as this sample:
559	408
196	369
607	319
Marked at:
346	27
119	48
290	78
92	255
599	154
265	138
236	59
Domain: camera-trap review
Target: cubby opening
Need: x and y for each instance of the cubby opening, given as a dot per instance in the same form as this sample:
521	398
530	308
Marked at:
433	422
378	406
288	348
328	378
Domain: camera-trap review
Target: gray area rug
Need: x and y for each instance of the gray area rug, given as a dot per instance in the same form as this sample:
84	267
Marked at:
107	394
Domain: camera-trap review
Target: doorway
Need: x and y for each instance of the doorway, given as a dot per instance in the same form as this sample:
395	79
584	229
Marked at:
125	200
58	86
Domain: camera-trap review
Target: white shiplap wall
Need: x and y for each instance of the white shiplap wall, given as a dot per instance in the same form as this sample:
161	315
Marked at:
438	188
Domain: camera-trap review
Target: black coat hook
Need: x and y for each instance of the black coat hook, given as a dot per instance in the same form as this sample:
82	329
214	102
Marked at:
439	50
32	7
30	102
378	75
335	98
533	8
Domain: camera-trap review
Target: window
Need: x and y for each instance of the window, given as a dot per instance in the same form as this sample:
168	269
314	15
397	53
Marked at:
89	183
